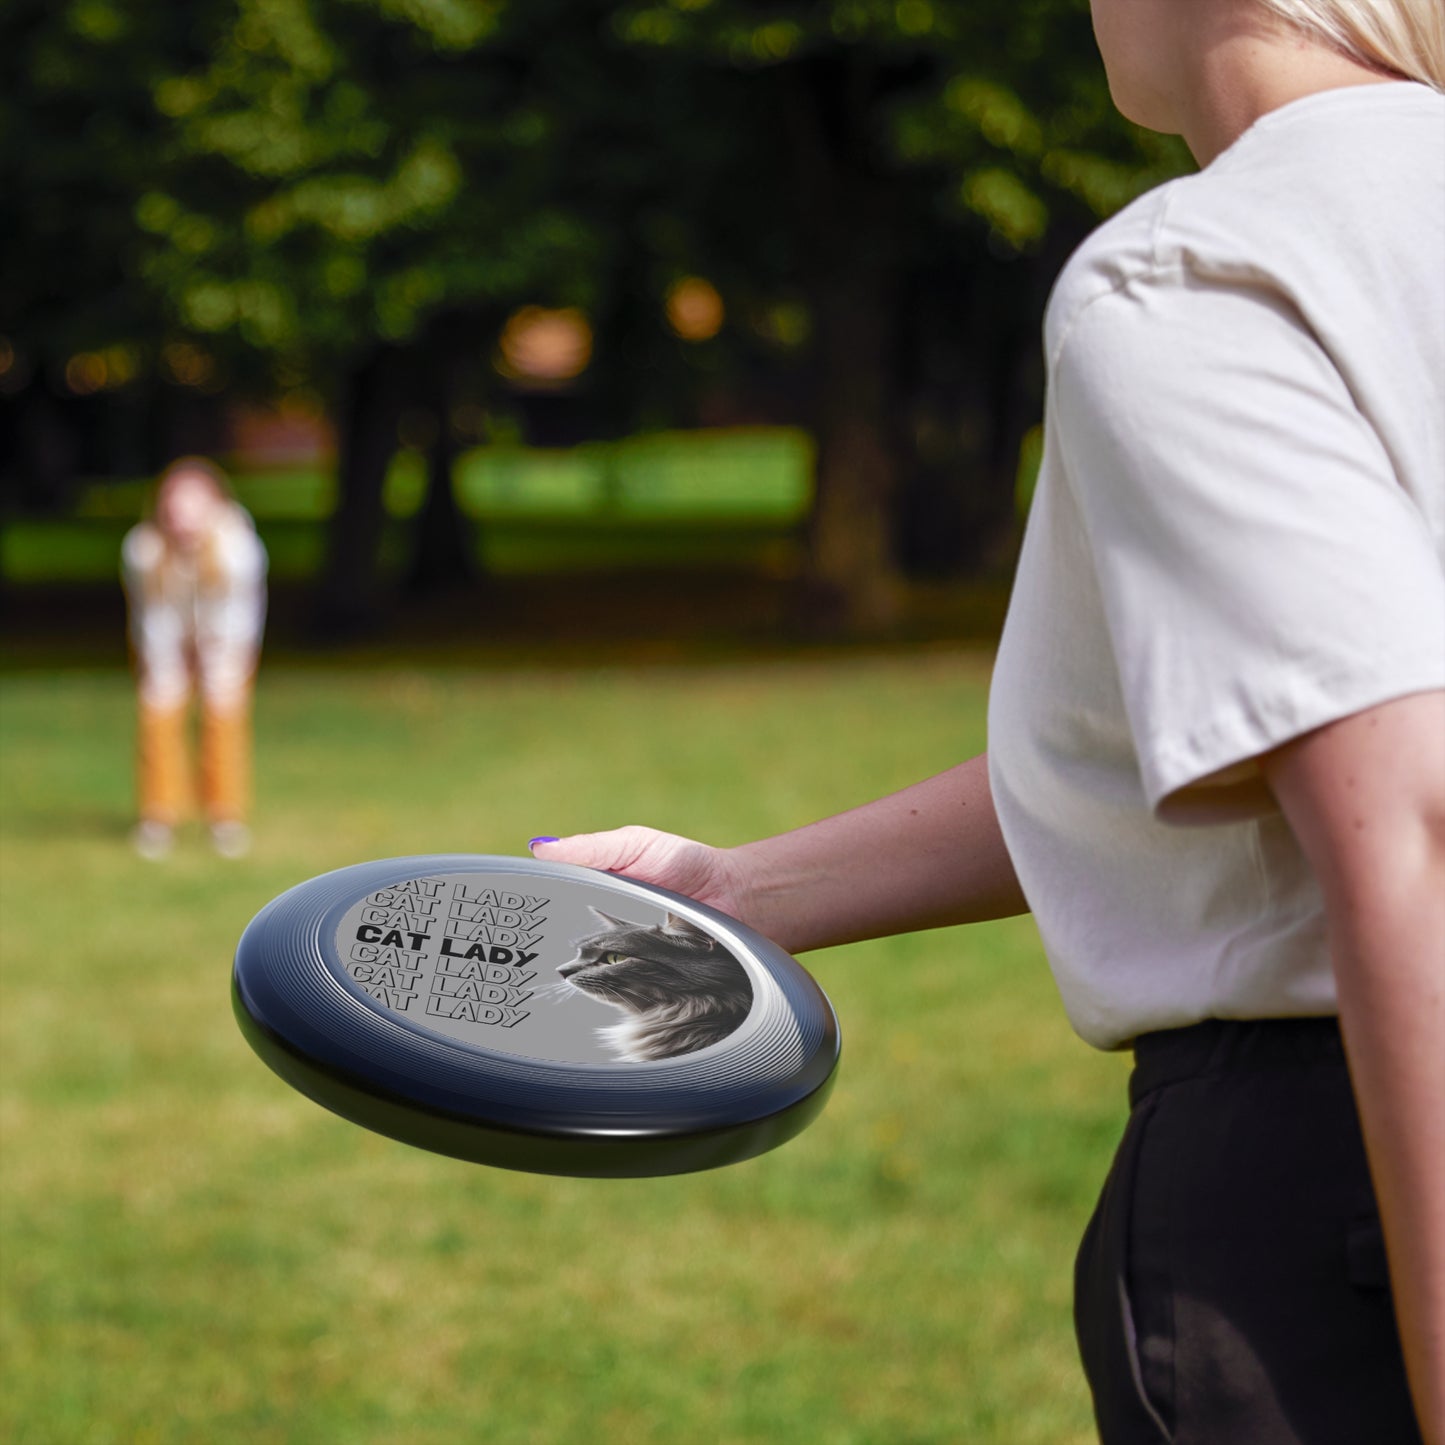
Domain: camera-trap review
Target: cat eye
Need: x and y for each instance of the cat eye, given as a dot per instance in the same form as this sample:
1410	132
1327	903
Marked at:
613	957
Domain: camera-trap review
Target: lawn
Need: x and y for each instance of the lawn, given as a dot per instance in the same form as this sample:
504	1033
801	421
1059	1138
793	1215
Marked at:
191	1252
733	497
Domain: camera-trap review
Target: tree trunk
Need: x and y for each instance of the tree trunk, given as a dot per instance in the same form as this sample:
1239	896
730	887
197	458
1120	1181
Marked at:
851	554
973	384
442	557
350	602
851	264
47	450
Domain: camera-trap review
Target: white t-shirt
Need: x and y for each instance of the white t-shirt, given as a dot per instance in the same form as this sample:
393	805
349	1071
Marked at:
196	619
1238	536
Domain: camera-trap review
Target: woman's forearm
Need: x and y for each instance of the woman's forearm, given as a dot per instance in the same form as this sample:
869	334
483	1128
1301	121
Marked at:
1366	799
926	857
1389	956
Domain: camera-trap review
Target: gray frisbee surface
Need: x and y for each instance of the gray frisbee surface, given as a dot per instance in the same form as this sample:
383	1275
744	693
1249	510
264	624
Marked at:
535	1016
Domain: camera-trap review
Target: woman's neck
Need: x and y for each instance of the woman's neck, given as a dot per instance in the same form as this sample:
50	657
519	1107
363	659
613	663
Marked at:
1244	69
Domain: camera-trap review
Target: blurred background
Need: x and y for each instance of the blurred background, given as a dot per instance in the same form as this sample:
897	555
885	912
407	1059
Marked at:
639	404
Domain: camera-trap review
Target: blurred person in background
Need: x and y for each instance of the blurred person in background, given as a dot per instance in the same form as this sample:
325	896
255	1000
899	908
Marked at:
1216	767
195	583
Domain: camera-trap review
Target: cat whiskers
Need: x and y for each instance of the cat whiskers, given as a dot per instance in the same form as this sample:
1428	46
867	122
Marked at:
554	992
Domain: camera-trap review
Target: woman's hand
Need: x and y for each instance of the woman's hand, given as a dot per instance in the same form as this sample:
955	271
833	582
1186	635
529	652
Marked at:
710	875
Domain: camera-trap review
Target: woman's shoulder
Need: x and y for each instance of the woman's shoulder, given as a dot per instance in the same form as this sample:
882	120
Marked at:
1339	191
1117	253
238	547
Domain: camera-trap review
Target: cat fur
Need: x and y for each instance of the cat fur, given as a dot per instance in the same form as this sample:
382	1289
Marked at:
680	989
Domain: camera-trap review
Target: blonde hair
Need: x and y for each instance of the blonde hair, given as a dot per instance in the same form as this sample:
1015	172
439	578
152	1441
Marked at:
194	466
1404	37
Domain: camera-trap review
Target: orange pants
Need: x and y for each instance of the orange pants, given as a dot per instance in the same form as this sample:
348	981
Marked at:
163	762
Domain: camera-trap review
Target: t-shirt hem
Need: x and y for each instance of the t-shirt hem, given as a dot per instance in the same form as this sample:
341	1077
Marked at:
1113	1040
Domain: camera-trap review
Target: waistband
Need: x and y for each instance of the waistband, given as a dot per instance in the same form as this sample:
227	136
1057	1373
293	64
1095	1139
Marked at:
1226	1046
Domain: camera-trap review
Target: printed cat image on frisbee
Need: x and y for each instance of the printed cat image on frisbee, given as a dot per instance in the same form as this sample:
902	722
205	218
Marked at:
535	1016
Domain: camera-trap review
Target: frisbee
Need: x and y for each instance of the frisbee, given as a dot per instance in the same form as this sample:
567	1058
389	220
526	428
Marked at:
535	1016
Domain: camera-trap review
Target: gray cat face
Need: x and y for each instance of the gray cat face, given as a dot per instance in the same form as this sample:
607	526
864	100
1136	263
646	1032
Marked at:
640	968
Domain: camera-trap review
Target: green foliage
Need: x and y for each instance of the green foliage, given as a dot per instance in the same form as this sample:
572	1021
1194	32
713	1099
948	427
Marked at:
351	196
300	178
79	140
344	170
1003	106
189	1251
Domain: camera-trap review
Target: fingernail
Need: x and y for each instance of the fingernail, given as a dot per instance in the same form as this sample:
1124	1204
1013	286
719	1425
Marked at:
533	843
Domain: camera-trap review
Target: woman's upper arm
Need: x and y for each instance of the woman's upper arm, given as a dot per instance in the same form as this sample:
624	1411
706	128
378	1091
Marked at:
1365	797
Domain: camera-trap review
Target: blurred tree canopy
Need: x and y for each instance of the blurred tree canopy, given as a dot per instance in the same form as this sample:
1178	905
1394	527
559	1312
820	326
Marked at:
351	197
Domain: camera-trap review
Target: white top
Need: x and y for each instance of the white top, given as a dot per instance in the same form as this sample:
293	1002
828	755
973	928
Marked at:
196	619
1238	536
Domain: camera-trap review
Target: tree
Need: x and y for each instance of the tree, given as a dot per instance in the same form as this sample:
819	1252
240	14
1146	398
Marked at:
368	188
79	140
920	142
352	195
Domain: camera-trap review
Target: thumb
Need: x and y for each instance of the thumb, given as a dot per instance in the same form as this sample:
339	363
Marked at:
612	851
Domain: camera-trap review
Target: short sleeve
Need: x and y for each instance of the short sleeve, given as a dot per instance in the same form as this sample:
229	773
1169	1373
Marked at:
1263	570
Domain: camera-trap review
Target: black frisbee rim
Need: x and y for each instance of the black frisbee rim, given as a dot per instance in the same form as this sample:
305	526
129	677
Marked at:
510	1111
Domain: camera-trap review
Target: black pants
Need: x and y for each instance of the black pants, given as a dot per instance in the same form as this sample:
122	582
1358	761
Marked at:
1231	1287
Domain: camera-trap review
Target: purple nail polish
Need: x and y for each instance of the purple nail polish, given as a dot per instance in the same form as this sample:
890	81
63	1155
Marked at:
533	843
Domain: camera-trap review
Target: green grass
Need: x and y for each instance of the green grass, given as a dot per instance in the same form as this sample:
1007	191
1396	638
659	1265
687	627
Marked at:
734	497
85	550
191	1252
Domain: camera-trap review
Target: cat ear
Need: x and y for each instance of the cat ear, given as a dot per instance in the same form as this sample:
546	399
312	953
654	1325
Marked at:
685	928
609	920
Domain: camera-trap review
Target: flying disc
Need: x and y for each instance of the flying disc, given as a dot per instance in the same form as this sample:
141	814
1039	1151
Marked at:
535	1016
